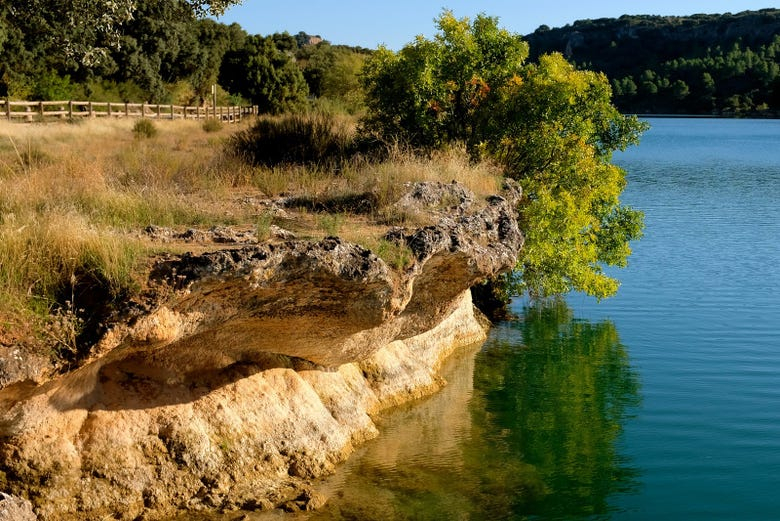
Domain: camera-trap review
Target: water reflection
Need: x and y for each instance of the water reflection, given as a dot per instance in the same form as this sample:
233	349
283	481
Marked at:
557	400
527	428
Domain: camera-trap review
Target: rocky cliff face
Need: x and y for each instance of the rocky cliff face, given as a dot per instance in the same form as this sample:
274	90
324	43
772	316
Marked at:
244	373
613	45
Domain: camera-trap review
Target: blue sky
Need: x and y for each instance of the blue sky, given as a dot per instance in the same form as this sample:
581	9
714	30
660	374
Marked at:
369	23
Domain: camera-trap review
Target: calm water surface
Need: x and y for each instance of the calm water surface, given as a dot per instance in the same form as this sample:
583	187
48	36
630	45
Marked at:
661	403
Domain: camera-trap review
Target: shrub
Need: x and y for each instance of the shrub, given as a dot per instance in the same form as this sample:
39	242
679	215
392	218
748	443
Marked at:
144	128
549	125
296	139
331	224
212	125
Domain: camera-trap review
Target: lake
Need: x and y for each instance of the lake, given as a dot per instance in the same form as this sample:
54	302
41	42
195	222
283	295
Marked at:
663	401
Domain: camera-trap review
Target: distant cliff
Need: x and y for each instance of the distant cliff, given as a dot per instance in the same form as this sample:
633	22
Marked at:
703	64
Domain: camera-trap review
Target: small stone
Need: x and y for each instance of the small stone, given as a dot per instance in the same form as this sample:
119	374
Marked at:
281	233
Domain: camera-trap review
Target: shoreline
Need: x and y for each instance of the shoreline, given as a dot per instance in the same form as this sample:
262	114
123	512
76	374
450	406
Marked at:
249	372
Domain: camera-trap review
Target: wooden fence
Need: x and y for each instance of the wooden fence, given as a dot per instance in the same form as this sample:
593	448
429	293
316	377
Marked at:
51	110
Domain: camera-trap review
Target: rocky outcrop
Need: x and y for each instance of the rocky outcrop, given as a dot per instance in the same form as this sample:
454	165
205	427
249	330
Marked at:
243	373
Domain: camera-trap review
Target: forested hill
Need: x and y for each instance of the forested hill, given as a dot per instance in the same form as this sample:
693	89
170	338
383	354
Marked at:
700	64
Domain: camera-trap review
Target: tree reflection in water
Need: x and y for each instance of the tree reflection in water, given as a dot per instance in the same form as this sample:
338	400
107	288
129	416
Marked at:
527	428
557	401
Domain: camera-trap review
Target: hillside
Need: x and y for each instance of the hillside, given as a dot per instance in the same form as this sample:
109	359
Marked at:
700	64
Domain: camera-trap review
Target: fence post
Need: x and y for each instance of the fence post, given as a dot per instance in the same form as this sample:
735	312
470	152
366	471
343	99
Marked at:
172	112
8	108
158	111
91	112
109	110
70	109
40	109
28	110
143	109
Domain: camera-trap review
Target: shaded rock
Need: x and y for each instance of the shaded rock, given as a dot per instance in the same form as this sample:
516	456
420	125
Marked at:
215	235
363	203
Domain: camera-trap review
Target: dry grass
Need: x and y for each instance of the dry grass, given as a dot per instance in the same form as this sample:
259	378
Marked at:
73	198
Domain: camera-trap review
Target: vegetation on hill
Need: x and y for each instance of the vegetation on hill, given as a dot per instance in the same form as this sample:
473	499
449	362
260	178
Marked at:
703	64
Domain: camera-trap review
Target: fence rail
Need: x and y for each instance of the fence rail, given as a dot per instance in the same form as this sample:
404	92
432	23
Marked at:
47	110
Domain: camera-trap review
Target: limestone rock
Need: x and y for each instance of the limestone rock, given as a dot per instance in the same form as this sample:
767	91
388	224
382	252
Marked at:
15	509
244	373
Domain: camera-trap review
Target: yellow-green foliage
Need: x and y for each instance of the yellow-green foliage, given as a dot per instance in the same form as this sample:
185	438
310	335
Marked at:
556	134
550	126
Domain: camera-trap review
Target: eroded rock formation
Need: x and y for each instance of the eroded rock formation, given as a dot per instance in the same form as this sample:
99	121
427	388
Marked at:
243	373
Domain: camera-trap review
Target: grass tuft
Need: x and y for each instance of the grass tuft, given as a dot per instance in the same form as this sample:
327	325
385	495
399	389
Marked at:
212	125
144	128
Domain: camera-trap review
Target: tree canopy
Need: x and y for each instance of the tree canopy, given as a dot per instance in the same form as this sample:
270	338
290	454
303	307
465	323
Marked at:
551	126
163	51
84	29
265	74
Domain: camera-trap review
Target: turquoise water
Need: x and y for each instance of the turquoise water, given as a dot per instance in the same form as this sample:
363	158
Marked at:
660	403
699	314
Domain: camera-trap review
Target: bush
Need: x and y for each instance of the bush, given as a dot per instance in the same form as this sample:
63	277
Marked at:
296	139
551	126
212	125
144	128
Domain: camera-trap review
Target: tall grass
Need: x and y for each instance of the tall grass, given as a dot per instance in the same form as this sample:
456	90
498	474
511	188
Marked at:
42	254
74	197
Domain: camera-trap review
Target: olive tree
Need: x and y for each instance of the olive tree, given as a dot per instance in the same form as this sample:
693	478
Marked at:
551	127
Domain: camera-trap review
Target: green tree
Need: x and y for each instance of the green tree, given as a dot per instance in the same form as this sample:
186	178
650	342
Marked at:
436	91
552	127
122	41
264	74
84	30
